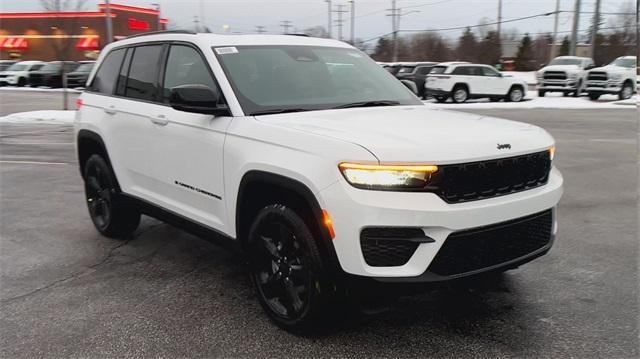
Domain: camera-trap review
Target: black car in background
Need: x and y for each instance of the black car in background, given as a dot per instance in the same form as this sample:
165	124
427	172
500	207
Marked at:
78	78
4	64
416	72
51	73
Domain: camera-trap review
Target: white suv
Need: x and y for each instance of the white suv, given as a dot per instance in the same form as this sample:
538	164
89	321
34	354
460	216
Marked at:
18	73
462	81
618	78
316	161
566	74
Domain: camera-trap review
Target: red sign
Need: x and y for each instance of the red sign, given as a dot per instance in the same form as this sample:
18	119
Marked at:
135	24
88	43
13	43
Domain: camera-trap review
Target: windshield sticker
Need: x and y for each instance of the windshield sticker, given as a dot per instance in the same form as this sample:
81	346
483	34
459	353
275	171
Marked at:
226	50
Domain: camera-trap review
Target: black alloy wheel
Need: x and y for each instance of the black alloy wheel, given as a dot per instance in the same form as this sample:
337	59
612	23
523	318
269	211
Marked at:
99	192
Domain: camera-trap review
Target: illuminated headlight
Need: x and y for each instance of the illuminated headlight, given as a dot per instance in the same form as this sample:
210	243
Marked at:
381	177
552	152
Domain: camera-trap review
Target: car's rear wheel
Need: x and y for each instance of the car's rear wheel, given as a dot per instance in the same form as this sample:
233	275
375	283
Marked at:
626	92
460	94
516	94
109	210
287	270
22	82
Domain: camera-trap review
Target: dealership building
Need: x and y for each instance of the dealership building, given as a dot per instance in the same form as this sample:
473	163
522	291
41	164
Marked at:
71	35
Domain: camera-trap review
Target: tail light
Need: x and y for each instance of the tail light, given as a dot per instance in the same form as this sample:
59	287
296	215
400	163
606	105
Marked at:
79	103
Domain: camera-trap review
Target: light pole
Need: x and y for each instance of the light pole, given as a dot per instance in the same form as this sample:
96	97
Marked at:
353	21
329	22
574	30
107	11
554	39
157	5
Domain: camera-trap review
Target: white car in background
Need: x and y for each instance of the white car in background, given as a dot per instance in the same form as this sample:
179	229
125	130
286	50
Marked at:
617	78
18	73
461	81
566	74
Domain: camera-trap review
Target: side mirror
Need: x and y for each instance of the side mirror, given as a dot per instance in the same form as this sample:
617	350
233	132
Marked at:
590	67
197	99
410	85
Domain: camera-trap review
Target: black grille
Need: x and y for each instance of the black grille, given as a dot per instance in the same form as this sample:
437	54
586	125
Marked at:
555	75
474	249
387	247
597	76
485	179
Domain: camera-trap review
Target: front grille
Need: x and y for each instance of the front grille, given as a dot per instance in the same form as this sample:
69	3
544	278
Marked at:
485	179
597	76
387	246
555	75
484	247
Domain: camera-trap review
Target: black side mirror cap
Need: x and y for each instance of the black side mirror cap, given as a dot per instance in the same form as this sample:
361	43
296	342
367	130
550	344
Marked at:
197	99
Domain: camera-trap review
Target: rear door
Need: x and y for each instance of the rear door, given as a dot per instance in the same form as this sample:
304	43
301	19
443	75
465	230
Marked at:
494	83
188	147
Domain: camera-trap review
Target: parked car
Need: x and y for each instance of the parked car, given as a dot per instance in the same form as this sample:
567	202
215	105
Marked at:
617	78
78	77
51	73
566	74
18	74
461	81
393	67
416	73
324	178
4	64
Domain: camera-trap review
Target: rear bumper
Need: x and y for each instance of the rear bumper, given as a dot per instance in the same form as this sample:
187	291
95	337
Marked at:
436	92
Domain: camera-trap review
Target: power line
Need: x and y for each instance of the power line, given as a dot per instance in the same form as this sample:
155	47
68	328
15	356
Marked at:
286	24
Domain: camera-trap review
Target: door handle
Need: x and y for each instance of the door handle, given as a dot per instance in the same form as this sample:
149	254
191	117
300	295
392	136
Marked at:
160	120
111	110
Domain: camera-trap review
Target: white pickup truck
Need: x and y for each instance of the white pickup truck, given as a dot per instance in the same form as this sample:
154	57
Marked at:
566	74
618	78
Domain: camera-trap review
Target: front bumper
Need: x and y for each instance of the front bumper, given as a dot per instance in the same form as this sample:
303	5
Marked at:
604	87
9	80
353	209
558	85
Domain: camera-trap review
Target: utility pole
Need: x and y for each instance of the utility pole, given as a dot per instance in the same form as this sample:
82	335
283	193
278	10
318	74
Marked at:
196	23
159	24
107	11
499	25
329	21
353	21
394	30
574	31
340	21
594	29
554	38
260	29
286	24
202	21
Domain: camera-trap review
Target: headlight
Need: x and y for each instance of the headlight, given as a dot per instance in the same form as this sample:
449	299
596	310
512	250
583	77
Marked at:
383	177
552	152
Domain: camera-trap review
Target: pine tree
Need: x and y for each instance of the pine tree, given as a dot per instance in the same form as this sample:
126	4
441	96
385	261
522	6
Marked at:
467	49
383	50
489	50
524	56
564	48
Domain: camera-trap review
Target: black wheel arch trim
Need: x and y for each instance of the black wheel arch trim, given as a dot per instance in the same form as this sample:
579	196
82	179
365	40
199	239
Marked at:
93	136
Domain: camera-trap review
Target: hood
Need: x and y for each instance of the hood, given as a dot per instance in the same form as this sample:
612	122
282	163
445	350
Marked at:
419	134
568	68
612	69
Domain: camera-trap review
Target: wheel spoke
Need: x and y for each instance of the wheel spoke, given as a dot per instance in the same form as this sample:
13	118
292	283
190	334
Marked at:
93	183
292	301
270	284
270	246
298	274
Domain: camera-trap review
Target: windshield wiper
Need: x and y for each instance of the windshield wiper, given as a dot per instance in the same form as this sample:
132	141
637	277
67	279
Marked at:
368	104
279	110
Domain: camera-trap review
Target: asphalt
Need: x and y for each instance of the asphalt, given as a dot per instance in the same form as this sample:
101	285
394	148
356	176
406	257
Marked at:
68	292
20	100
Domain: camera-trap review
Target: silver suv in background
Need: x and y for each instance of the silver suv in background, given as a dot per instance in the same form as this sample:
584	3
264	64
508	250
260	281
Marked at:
566	74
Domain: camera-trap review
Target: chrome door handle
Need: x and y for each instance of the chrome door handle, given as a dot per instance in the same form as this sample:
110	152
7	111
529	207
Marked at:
160	120
111	110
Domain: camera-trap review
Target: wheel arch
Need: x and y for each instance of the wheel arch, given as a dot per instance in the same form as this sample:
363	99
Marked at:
87	144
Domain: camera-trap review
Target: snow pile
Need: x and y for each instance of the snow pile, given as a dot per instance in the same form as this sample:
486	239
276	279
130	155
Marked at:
54	117
38	89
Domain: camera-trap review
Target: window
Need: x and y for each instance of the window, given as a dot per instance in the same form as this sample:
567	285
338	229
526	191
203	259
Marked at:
141	82
424	70
105	79
36	67
488	71
185	66
122	76
438	70
465	71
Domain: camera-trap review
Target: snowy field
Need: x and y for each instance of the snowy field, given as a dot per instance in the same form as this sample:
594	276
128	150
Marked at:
53	117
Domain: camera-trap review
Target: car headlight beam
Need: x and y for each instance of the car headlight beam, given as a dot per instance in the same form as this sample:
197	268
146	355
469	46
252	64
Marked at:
370	176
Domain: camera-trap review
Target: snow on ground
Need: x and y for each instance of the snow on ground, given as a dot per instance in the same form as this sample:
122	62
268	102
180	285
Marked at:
527	76
38	89
54	117
551	100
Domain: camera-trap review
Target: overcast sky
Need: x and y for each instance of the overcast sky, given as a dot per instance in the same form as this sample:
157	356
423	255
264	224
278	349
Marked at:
371	20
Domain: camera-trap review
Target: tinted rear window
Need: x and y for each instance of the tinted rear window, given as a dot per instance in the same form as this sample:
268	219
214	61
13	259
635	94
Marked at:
142	79
105	79
438	70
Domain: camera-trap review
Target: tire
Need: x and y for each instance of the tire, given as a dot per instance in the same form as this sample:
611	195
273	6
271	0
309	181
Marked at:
460	94
22	82
110	212
565	94
516	94
626	92
594	96
287	271
441	99
541	93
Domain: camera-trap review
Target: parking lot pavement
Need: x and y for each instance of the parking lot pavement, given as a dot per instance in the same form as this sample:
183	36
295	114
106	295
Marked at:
66	291
20	99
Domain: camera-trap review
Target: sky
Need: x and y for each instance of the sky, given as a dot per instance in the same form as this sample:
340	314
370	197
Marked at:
242	16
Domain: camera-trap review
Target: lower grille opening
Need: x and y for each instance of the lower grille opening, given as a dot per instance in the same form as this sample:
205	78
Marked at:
478	248
387	246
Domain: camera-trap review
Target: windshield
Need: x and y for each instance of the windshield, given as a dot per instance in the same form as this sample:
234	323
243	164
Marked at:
406	69
17	67
624	62
272	78
563	61
84	68
51	66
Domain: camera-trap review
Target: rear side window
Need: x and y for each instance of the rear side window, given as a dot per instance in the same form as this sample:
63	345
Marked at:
463	70
185	66
438	70
142	79
424	70
105	79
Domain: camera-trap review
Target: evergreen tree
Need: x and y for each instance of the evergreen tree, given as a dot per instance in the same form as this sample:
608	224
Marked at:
564	48
524	57
489	50
467	49
383	50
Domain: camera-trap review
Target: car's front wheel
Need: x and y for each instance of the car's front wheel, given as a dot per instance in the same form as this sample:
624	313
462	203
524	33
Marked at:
594	96
626	92
287	270
516	94
109	210
460	94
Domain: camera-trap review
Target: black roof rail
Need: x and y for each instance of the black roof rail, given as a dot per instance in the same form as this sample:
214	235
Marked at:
298	34
162	32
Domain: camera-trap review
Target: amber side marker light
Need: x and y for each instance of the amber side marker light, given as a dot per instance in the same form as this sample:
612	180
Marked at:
552	152
328	223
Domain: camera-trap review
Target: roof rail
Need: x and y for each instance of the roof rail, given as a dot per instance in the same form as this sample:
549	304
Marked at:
297	34
162	32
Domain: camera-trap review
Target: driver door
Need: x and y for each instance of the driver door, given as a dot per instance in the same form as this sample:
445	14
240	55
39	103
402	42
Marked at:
188	147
